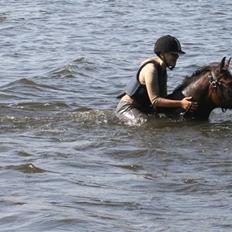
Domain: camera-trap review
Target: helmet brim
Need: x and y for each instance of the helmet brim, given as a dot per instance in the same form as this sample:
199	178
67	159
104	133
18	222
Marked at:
178	53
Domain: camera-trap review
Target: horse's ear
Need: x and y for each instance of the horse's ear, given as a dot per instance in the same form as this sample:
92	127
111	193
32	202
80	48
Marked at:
222	64
227	64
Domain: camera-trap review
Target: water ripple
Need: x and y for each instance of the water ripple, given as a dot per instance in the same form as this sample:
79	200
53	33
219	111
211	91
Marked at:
26	168
66	163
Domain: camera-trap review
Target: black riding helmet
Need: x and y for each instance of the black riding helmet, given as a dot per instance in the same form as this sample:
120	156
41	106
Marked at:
167	43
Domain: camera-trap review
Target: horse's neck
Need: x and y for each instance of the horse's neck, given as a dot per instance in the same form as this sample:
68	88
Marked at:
197	89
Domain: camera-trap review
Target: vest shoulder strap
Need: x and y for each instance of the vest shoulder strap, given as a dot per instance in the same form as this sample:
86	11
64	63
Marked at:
134	85
144	64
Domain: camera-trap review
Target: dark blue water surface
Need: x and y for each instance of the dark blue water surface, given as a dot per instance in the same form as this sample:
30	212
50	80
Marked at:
66	163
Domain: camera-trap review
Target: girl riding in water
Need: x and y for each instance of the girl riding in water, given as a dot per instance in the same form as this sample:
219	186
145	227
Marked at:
148	90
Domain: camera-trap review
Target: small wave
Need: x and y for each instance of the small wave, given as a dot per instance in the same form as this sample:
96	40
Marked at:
98	117
26	83
2	18
77	67
41	105
11	202
28	90
64	119
132	167
26	168
68	71
24	154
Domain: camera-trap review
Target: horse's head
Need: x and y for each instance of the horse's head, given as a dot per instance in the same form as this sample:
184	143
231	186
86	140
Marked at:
220	88
210	86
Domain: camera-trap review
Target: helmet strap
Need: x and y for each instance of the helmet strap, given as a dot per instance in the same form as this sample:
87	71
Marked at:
170	67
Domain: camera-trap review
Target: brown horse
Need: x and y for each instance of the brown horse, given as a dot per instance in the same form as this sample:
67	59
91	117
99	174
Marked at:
210	86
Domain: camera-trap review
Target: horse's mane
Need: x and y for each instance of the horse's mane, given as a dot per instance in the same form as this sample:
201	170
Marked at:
194	77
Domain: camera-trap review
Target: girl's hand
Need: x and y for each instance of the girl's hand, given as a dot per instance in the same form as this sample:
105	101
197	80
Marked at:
188	104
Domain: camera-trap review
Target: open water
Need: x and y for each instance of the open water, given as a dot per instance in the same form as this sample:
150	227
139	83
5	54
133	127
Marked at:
66	163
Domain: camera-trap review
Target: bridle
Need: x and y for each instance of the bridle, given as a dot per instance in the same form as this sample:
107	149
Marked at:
213	80
218	88
216	84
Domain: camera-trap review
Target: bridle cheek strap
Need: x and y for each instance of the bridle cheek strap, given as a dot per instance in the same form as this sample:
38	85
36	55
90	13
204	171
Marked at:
215	83
213	80
170	67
